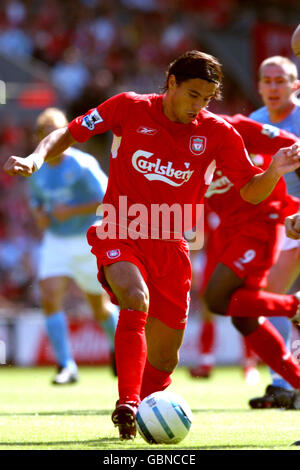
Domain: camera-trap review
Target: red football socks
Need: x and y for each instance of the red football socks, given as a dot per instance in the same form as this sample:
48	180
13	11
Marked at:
130	352
251	303
207	337
154	380
268	344
249	357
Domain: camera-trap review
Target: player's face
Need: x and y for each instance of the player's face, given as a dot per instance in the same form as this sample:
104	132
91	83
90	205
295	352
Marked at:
186	100
276	87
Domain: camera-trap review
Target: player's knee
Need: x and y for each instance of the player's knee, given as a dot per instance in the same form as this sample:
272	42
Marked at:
100	308
245	325
214	302
50	303
101	314
135	298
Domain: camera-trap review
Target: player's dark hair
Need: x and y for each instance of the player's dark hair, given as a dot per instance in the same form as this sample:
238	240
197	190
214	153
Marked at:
196	64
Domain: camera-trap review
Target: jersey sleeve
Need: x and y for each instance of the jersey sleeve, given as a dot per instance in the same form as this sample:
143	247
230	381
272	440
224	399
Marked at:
260	138
107	116
233	158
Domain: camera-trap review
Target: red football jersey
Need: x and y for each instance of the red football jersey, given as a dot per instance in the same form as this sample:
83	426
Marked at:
157	161
222	197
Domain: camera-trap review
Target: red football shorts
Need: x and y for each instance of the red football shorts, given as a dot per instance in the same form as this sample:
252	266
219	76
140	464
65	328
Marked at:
250	252
164	265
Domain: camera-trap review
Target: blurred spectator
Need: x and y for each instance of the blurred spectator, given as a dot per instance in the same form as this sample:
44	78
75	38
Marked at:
145	5
15	13
70	75
15	43
104	31
17	262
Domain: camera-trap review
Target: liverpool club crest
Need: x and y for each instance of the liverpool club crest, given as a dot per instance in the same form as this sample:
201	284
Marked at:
197	144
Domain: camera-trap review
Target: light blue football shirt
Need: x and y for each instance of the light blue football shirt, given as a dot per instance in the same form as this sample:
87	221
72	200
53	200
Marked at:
290	124
78	179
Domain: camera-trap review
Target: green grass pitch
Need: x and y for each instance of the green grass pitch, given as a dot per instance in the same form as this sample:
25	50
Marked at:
38	416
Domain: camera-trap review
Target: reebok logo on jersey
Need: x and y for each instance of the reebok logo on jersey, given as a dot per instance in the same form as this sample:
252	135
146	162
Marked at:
146	130
90	120
155	171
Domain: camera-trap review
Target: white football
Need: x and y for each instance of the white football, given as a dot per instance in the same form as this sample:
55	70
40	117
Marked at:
164	418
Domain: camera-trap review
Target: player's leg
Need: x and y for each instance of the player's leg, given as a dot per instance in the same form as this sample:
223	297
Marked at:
249	363
106	314
84	272
278	385
261	336
206	343
168	313
131	291
122	273
249	258
52	293
54	273
289	264
206	339
242	301
163	343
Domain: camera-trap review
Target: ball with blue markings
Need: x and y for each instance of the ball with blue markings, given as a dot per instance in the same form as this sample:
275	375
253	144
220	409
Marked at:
164	418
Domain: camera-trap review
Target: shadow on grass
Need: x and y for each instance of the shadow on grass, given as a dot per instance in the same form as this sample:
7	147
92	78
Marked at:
222	410
91	443
108	412
103	444
62	413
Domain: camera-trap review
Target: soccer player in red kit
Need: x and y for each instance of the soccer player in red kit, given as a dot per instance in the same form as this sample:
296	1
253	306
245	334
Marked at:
248	252
164	151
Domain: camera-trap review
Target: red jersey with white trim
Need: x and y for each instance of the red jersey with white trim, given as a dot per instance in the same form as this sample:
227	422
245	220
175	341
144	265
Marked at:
157	161
262	141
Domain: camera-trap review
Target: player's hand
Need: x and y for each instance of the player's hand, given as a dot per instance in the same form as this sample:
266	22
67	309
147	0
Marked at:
19	166
42	219
292	226
287	159
62	212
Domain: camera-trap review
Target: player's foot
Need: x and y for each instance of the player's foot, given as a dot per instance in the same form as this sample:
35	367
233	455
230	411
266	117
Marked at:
201	371
277	397
66	375
251	375
124	418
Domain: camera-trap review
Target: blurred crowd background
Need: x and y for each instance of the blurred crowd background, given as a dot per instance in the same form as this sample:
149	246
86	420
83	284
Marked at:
73	54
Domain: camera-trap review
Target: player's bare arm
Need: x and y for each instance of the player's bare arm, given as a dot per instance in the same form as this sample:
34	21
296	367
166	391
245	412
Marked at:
292	226
49	148
63	212
261	185
41	218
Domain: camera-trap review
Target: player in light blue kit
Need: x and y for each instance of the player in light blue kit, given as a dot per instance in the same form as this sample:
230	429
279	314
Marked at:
65	195
278	81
